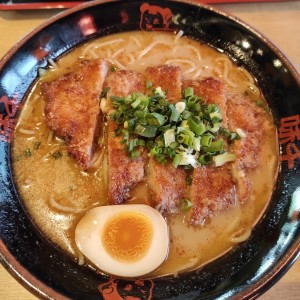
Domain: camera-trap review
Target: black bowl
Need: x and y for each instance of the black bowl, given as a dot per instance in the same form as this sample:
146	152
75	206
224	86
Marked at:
246	271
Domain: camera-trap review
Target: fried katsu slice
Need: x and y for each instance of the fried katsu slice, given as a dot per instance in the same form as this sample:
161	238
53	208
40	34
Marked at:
214	189
246	115
166	183
169	78
247	149
211	91
124	173
123	83
72	108
211	192
167	186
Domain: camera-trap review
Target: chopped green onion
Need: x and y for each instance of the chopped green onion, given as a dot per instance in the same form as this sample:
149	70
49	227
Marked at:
189	91
118	131
57	154
155	119
221	159
113	68
159	92
186	204
136	103
175	114
216	146
187	159
206	140
211	108
169	137
215	128
186	115
125	137
135	143
205	159
196	144
146	131
215	116
135	154
154	151
173	145
180	138
180	106
197	127
27	153
188	133
36	145
177	160
241	132
233	136
149	84
104	92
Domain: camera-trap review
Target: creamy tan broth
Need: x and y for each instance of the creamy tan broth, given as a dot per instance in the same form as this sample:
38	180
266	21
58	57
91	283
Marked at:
57	193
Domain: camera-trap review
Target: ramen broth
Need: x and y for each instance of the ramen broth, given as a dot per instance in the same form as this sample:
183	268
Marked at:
57	192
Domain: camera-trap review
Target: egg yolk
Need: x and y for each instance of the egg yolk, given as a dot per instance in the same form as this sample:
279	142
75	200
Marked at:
127	236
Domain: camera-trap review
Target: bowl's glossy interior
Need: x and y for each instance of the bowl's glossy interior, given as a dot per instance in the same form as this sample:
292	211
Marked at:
247	270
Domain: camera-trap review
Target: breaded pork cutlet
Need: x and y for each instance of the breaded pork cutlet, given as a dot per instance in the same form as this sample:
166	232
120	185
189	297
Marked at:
212	91
124	173
247	149
122	83
169	78
72	108
213	189
167	184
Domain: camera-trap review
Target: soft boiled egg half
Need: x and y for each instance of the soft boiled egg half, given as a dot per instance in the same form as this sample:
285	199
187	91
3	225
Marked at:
125	240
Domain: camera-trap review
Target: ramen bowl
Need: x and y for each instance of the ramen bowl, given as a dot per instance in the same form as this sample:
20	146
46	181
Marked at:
248	269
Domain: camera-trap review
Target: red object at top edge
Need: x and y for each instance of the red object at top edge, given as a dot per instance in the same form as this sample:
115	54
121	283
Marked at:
55	5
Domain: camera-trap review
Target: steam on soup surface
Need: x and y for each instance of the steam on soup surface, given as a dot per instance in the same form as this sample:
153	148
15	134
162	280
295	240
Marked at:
57	192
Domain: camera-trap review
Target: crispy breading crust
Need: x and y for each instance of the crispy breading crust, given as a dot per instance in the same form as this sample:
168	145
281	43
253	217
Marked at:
72	108
212	191
123	83
211	91
167	186
124	173
246	115
169	78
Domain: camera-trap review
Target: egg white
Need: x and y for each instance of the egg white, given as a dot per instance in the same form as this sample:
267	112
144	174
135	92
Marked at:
89	232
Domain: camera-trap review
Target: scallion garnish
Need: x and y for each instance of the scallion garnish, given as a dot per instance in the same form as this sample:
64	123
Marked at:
205	159
188	133
214	147
113	68
186	204
149	84
169	137
36	145
27	153
104	92
222	159
57	154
